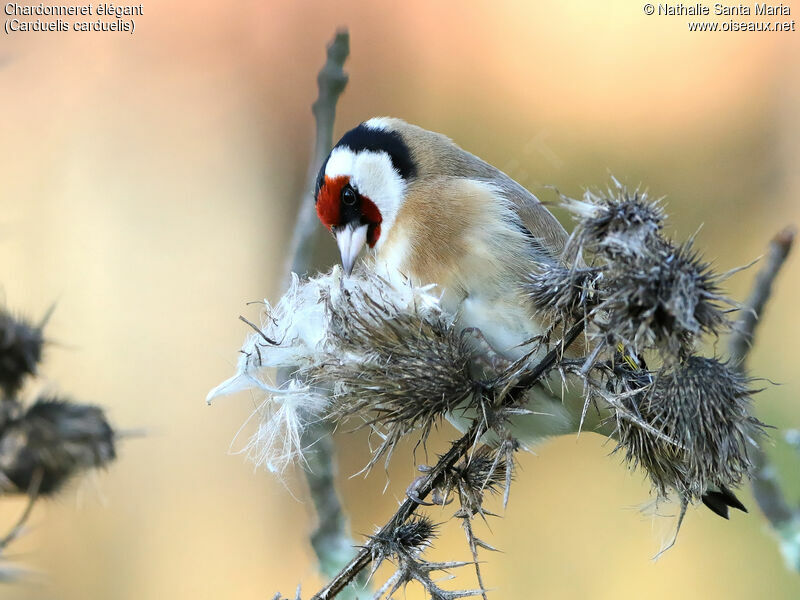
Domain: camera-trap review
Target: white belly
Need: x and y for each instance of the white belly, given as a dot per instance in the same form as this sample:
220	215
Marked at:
507	326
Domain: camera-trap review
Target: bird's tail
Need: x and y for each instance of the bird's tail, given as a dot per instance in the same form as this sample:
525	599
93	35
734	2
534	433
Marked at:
720	500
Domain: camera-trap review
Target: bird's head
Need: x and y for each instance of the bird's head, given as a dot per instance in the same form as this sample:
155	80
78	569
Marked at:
361	186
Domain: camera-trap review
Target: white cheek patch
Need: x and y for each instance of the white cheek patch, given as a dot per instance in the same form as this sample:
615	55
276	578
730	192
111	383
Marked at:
372	175
375	177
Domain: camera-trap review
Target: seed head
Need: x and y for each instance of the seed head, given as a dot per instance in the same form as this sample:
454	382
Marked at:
616	222
564	293
20	351
701	409
52	441
385	350
664	300
408	539
398	370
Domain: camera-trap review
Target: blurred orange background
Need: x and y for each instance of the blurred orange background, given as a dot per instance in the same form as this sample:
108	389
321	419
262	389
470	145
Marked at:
150	183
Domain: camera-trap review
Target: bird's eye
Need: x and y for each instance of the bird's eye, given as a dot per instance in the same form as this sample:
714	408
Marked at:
348	195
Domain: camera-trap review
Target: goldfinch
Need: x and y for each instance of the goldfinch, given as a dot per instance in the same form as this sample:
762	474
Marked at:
433	213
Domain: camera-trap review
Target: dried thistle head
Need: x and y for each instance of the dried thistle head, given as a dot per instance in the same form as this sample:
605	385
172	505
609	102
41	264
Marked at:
641	291
692	428
20	351
563	293
484	471
488	469
399	371
663	300
410	538
52	441
616	222
385	350
403	545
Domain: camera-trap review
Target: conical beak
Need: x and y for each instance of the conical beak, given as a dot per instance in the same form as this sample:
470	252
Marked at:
350	241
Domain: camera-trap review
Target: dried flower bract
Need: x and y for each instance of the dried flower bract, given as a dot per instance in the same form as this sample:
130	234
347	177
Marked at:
702	408
53	441
20	351
360	347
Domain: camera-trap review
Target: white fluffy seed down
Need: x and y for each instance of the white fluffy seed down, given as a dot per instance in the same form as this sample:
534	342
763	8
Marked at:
297	333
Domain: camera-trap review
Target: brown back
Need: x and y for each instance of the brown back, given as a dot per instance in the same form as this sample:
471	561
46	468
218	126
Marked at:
436	154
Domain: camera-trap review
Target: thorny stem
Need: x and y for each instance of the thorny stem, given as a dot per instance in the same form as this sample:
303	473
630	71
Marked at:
331	540
427	484
407	508
784	519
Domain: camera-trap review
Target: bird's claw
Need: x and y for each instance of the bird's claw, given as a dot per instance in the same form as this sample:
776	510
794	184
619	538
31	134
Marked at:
412	494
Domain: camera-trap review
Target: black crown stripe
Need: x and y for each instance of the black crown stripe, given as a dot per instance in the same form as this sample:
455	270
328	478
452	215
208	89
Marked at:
375	140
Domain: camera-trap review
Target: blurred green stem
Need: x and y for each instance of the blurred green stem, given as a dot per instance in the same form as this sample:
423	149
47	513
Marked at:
783	518
331	82
331	539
